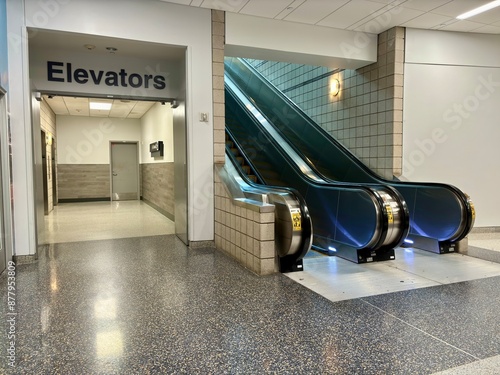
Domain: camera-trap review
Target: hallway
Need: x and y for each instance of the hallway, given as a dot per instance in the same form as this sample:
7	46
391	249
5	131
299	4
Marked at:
150	305
70	222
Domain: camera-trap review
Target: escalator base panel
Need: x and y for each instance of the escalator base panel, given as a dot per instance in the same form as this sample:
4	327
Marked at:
360	255
432	245
291	266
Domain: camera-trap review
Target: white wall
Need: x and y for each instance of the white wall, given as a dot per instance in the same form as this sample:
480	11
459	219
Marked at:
85	140
151	21
277	40
451	125
3	45
157	125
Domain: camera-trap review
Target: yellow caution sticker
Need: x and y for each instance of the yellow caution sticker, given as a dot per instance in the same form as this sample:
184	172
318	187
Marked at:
296	219
472	210
390	215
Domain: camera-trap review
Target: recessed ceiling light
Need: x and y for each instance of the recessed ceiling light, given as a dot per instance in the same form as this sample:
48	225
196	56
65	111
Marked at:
112	49
478	10
100	106
90	47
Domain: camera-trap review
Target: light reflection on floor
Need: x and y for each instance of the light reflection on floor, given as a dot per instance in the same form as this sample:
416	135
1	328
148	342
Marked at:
71	222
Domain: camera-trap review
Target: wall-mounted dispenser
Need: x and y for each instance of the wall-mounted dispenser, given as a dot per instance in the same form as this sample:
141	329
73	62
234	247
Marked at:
156	148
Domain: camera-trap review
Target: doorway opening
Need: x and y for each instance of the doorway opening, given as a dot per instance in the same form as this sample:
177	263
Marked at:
104	181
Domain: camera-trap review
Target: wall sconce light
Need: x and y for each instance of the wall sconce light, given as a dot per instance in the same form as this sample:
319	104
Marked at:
334	87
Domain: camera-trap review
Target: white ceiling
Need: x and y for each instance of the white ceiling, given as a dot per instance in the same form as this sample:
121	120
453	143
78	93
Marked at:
71	106
372	16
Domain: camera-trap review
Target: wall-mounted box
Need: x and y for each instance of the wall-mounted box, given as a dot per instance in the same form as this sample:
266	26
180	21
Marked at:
156	148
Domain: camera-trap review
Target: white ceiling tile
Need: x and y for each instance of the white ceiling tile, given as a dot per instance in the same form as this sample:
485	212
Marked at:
64	105
424	5
313	11
265	8
77	106
388	19
57	105
183	2
491	16
350	14
227	5
386	2
427	21
457	7
289	9
196	3
462	26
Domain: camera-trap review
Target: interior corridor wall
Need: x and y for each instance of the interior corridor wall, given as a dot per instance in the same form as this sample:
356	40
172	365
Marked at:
83	154
48	125
148	21
157	171
451	115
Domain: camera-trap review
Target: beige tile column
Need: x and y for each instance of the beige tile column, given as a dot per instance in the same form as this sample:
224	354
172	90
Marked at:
218	33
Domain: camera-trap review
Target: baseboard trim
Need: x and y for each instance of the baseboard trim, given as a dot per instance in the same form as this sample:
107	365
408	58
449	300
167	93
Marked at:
82	200
24	259
485	230
159	209
200	244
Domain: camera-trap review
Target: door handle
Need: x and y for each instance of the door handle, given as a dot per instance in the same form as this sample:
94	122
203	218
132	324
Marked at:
115	174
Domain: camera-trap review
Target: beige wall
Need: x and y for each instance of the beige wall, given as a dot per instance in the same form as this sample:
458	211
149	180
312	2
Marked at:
83	181
218	21
244	230
370	107
157	182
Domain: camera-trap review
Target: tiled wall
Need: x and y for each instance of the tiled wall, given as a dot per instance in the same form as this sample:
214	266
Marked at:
245	231
367	115
218	33
157	182
48	125
83	181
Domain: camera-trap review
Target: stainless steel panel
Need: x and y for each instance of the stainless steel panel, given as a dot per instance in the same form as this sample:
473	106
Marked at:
5	184
180	173
3	255
38	168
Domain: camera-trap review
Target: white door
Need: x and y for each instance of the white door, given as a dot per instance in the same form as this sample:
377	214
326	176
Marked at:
124	171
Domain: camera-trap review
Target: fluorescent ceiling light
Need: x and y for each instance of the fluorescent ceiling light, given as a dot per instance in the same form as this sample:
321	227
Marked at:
478	10
103	106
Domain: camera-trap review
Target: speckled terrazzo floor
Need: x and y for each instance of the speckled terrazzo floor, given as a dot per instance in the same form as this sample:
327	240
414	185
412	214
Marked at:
151	305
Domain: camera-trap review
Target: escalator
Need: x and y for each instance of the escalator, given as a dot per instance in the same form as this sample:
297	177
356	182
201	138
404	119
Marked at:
293	226
358	222
440	214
